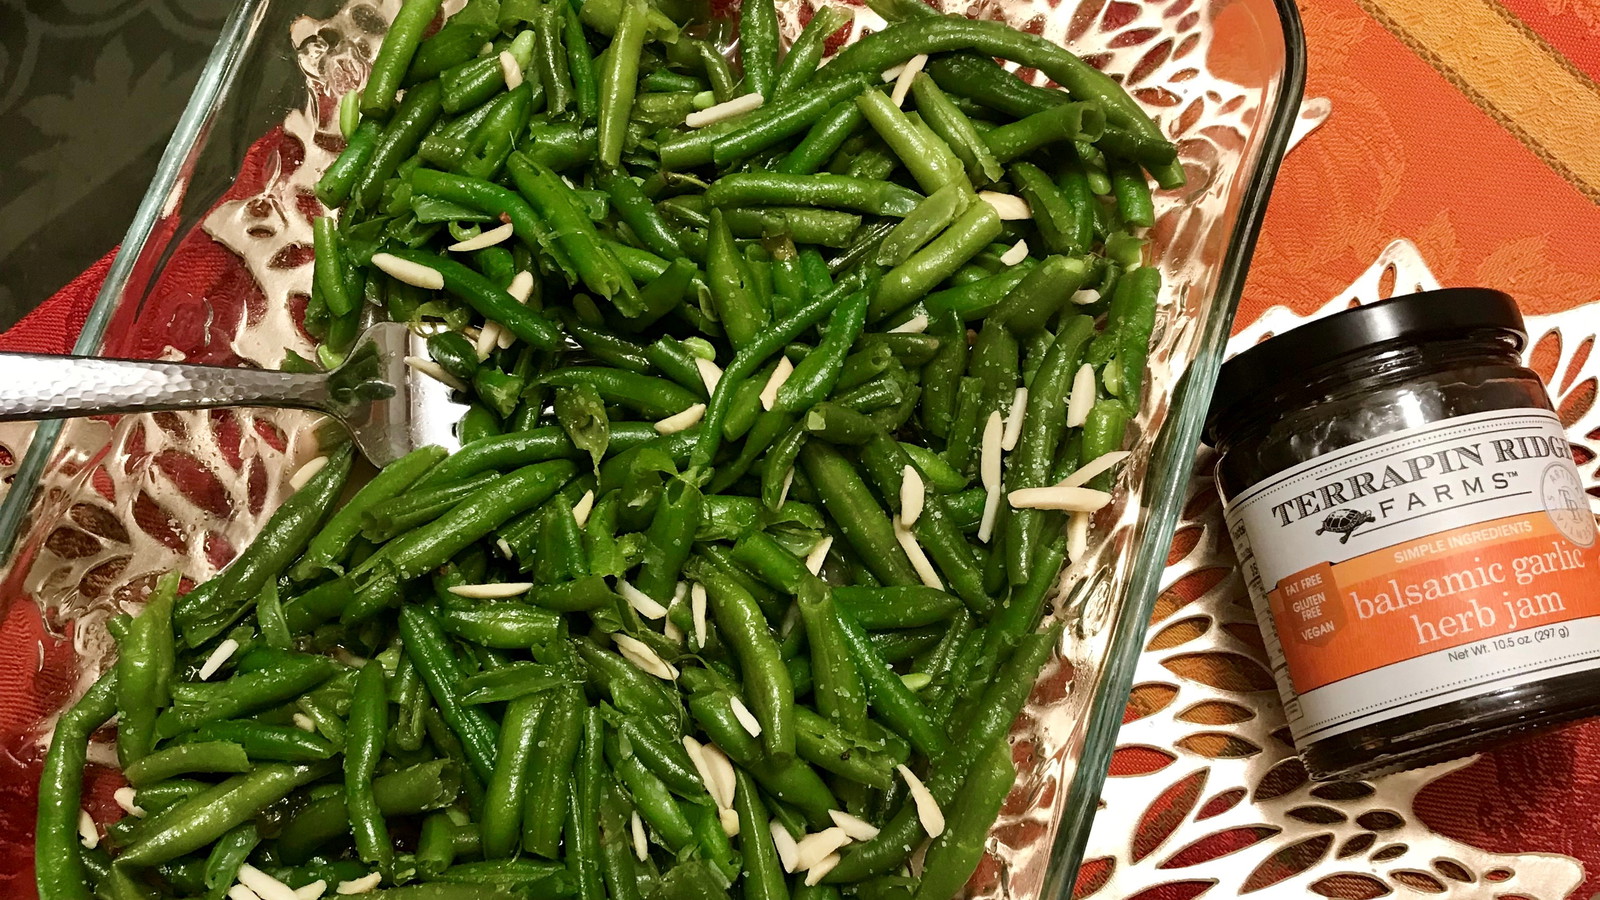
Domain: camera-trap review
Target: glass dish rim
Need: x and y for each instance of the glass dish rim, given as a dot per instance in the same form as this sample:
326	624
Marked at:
1163	485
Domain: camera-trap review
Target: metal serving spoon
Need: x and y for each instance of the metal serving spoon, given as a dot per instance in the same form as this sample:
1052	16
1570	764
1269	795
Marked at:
388	408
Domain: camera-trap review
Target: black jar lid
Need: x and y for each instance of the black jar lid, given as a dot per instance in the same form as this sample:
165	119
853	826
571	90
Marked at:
1412	317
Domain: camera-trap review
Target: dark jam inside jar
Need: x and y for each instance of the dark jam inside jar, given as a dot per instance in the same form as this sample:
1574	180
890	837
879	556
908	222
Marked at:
1407	628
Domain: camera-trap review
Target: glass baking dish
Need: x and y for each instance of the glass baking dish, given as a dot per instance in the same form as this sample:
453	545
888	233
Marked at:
217	264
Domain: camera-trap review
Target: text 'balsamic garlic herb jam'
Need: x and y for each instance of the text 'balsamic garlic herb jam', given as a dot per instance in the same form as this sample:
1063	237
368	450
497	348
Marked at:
1414	534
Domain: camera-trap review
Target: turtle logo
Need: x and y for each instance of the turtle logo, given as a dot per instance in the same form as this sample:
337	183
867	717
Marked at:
1344	522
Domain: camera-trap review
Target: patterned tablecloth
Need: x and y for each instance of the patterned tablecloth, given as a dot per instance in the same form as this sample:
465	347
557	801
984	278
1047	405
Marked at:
1465	129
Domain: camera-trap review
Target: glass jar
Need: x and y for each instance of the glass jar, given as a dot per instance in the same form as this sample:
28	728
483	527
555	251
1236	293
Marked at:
1415	537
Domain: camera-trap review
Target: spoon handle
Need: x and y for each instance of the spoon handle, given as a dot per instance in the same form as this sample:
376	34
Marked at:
34	386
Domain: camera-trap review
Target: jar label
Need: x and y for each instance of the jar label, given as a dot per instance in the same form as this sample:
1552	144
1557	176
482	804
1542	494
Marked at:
1404	572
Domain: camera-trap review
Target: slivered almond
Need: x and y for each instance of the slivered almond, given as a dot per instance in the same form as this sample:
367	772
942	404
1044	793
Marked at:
919	559
306	472
412	273
788	852
642	603
222	654
928	811
1081	398
813	848
1102	463
1071	499
858	829
488	238
640	654
1013	432
819	554
989	470
745	716
728	109
681	421
497	591
780	374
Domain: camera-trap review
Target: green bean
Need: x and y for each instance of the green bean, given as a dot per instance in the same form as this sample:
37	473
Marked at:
840	694
976	299
260	741
490	300
585	86
895	703
545	809
950	123
800	63
395	54
749	358
964	239
450	46
417	112
616	853
337	181
428	650
741	623
502	625
652	397
905	606
184	759
830	748
1039	440
1040	295
635	209
518	679
499	453
655	803
1068	122
1053	215
882	198
762	129
596	265
630	688
758	46
199	821
899	42
60	874
508	784
364	739
824	227
230	852
922	224
207	611
838	424
823	140
550	56
409	791
671	534
740	310
198	704
955	854
330	545
583	823
846	498
479	514
1133	194
392	517
760	870
146	657
819	372
928	158
619	79
791	780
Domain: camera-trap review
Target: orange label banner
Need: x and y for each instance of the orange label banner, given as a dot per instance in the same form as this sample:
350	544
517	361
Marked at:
1434	593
